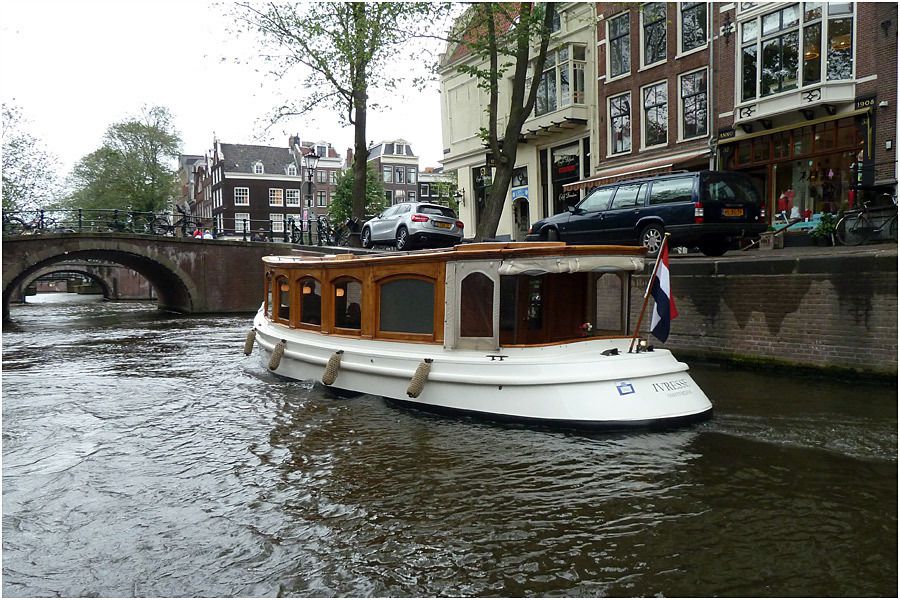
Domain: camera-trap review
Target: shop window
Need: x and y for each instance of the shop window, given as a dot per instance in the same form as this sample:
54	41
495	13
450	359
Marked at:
847	134
840	48
781	145
824	136
310	301
347	303
284	298
406	305
744	152
803	141
653	17
761	149
619	36
476	315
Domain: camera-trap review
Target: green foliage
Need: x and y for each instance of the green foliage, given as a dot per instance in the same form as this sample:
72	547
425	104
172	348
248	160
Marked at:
342	201
29	171
134	169
826	227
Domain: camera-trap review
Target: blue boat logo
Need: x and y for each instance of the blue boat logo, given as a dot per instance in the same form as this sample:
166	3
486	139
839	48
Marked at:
625	388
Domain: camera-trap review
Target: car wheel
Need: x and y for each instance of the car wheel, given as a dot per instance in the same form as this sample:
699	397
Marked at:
366	238
402	239
552	235
714	247
651	238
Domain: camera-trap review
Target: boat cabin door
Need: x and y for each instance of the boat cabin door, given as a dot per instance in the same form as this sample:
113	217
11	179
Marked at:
472	306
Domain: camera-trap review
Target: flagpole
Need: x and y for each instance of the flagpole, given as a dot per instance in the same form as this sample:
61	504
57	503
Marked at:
647	292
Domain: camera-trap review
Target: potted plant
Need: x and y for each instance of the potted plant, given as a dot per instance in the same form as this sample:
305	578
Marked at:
825	229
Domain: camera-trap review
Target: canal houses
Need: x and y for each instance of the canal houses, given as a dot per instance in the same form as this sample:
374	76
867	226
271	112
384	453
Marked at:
800	96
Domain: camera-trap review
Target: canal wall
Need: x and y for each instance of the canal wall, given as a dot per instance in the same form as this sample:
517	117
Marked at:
828	308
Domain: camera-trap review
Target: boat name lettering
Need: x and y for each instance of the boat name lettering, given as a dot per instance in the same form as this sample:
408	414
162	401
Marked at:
671	386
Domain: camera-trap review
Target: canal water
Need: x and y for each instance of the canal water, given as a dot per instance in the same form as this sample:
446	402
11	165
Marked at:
144	455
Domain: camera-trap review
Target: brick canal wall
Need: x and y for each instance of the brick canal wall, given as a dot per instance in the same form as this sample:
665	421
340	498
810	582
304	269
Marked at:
831	308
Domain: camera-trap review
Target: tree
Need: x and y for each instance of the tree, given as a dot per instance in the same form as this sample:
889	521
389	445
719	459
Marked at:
341	202
346	49
134	169
502	36
30	179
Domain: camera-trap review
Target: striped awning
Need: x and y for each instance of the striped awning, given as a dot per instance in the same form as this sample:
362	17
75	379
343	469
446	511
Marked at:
645	168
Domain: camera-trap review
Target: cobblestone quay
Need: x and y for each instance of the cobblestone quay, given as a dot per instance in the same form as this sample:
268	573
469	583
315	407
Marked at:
833	308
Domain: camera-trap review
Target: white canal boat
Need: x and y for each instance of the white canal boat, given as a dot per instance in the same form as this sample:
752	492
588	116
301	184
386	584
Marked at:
527	332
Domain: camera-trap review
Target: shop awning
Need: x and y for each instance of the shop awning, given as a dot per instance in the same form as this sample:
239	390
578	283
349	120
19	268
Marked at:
645	168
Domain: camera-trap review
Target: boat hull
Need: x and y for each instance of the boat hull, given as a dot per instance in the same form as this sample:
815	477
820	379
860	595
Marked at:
572	385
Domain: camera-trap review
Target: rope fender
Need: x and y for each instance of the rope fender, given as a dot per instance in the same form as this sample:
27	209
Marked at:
277	353
332	368
417	383
248	343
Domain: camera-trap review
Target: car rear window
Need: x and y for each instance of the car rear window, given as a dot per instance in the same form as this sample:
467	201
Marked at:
436	210
729	187
665	191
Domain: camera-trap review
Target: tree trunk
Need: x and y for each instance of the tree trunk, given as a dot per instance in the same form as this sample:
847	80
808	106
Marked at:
360	162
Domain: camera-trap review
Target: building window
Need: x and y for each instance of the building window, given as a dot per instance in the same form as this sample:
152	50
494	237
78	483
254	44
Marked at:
399	175
321	176
620	123
783	50
292	197
277	222
411	196
555	20
693	25
653	15
656	114
400	149
424	190
276	197
292	169
693	104
333	177
388	174
321	151
389	196
619	36
258	168
410	175
562	81
241	222
320	198
242	196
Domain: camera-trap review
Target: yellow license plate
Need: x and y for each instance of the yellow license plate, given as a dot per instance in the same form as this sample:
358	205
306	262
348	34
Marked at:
733	212
442	225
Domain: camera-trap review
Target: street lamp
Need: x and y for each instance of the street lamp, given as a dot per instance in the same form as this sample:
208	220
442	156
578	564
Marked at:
310	161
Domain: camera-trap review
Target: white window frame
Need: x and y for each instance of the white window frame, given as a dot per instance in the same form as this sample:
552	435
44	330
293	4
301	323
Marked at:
242	199
322	151
646	65
679	27
609	136
389	171
609	75
276	197
400	149
291	169
425	189
644	146
258	168
411	196
681	76
292	197
333	177
411	175
277	220
239	222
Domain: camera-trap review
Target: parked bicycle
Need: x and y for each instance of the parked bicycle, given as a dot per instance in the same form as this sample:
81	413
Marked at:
858	226
328	235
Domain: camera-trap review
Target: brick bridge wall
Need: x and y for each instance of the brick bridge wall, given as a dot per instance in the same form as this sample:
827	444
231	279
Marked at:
830	311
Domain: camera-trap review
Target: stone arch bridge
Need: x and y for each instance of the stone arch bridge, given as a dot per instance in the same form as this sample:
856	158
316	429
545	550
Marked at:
189	275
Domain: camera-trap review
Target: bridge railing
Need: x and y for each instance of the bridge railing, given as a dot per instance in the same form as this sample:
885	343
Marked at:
82	220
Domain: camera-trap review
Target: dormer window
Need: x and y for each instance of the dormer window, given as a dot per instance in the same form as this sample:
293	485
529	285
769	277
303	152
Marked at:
292	169
322	151
400	149
258	168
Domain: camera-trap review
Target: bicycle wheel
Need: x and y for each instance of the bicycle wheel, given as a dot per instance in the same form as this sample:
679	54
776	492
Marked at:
853	230
13	226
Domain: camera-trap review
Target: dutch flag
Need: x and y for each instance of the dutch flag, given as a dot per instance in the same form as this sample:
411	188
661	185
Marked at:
664	310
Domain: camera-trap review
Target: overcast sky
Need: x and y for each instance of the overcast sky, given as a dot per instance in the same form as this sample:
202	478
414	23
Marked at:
76	67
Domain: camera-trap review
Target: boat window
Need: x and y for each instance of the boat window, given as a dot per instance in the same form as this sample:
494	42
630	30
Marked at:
347	303
270	308
310	302
284	298
476	317
407	306
610	318
508	294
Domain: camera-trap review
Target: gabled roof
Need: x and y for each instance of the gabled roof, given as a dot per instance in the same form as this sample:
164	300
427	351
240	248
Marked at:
240	158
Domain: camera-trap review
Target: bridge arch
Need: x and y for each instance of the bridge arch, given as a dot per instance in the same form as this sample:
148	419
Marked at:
105	288
174	285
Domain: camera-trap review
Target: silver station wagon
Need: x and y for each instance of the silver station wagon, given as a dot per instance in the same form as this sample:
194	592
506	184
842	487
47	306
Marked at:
409	224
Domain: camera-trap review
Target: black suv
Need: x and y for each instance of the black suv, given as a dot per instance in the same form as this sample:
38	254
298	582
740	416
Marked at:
707	209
